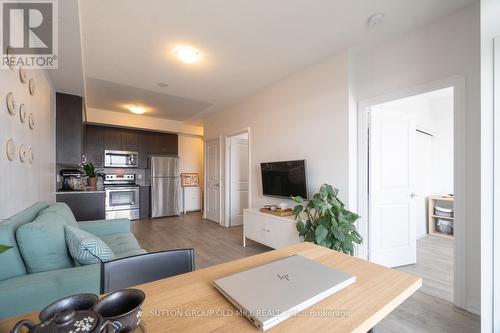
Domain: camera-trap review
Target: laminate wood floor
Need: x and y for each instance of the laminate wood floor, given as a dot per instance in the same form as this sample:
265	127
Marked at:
435	266
214	244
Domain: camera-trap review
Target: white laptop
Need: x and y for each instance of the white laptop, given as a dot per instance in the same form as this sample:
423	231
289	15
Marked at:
271	293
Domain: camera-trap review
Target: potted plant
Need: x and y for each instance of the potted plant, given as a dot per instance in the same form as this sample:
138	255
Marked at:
92	174
325	221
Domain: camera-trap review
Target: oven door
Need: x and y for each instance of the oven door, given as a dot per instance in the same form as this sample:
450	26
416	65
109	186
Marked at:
121	198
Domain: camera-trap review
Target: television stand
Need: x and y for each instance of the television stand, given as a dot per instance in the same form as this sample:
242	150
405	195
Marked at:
268	229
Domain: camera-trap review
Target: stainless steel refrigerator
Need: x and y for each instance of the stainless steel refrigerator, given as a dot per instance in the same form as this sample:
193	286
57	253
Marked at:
165	186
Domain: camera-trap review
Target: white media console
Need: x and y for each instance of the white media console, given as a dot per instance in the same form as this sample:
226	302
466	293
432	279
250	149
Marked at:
271	230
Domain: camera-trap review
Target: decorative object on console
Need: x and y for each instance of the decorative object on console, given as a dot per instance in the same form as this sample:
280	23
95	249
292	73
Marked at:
32	87
189	179
22	113
325	221
277	211
11	103
10	149
92	174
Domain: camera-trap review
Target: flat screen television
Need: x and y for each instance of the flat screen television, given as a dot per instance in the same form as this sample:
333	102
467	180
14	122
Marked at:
284	179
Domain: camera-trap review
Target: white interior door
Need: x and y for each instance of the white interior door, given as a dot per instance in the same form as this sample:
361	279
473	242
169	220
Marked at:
213	180
392	230
238	180
423	180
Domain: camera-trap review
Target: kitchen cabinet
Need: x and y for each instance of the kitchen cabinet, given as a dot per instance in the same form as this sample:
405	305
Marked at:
192	199
94	145
69	129
144	202
86	206
100	138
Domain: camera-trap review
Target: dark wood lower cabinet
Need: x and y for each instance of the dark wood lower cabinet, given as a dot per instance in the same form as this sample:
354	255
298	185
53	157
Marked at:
144	202
87	206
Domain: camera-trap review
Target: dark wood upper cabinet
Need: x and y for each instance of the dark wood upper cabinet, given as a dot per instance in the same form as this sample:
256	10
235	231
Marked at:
69	129
94	145
100	138
112	139
130	140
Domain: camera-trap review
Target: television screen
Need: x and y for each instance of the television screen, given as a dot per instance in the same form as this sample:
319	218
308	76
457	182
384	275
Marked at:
284	179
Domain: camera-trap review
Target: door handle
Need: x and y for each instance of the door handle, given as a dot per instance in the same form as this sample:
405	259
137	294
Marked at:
413	195
217	185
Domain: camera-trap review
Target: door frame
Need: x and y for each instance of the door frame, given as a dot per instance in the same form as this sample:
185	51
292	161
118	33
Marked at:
205	150
227	174
459	120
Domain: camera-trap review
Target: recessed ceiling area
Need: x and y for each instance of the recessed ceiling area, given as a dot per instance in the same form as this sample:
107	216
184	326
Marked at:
112	96
245	46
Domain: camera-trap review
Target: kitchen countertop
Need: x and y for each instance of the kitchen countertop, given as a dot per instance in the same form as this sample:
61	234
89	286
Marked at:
86	190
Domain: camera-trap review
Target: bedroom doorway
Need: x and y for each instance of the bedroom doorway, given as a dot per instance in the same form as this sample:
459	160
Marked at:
237	177
412	222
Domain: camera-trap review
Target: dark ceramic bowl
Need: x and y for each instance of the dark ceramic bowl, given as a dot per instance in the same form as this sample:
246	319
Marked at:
76	302
123	308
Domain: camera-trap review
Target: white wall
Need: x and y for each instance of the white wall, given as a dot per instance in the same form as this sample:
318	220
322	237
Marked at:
490	163
106	117
304	116
23	184
446	48
191	155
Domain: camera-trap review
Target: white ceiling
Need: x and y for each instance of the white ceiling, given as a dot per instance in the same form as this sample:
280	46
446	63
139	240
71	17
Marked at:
246	45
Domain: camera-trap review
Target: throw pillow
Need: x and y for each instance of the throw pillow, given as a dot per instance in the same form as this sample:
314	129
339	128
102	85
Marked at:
86	248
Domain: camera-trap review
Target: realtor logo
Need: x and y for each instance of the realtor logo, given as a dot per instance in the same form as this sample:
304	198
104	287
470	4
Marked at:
29	33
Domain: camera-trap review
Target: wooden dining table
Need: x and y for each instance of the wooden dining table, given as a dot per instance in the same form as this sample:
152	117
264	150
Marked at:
190	303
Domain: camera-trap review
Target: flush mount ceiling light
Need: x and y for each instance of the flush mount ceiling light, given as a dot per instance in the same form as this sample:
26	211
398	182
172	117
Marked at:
375	20
187	54
136	109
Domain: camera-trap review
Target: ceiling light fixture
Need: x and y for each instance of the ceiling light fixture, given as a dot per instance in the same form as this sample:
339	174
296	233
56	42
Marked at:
187	54
136	109
376	19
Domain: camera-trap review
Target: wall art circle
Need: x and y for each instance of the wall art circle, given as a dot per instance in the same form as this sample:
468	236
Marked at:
11	103
31	121
10	149
22	113
31	155
22	74
32	87
22	153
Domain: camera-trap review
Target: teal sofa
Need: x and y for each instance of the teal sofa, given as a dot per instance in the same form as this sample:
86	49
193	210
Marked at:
39	269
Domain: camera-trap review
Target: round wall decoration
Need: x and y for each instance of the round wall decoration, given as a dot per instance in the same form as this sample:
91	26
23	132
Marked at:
10	149
22	74
32	87
31	121
22	153
11	103
31	155
22	113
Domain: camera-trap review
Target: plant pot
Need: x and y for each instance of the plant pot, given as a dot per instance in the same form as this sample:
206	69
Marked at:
92	181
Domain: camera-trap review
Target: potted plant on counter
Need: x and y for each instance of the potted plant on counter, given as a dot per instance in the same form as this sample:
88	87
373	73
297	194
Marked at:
325	221
92	174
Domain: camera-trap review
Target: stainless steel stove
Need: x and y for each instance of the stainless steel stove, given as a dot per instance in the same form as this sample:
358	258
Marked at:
122	196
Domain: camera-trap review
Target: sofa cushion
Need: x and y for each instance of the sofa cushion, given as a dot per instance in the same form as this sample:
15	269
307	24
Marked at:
11	262
64	211
121	243
86	248
43	245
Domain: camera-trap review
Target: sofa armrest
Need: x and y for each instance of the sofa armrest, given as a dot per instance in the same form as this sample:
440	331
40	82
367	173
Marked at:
32	292
106	227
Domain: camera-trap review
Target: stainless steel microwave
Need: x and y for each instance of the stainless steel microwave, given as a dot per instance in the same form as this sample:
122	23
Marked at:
121	159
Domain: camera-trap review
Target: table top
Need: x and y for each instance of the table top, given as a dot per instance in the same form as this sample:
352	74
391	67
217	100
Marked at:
190	303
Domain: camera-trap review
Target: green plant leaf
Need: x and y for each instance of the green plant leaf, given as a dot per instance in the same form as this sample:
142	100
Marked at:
321	233
298	199
4	248
297	210
300	227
